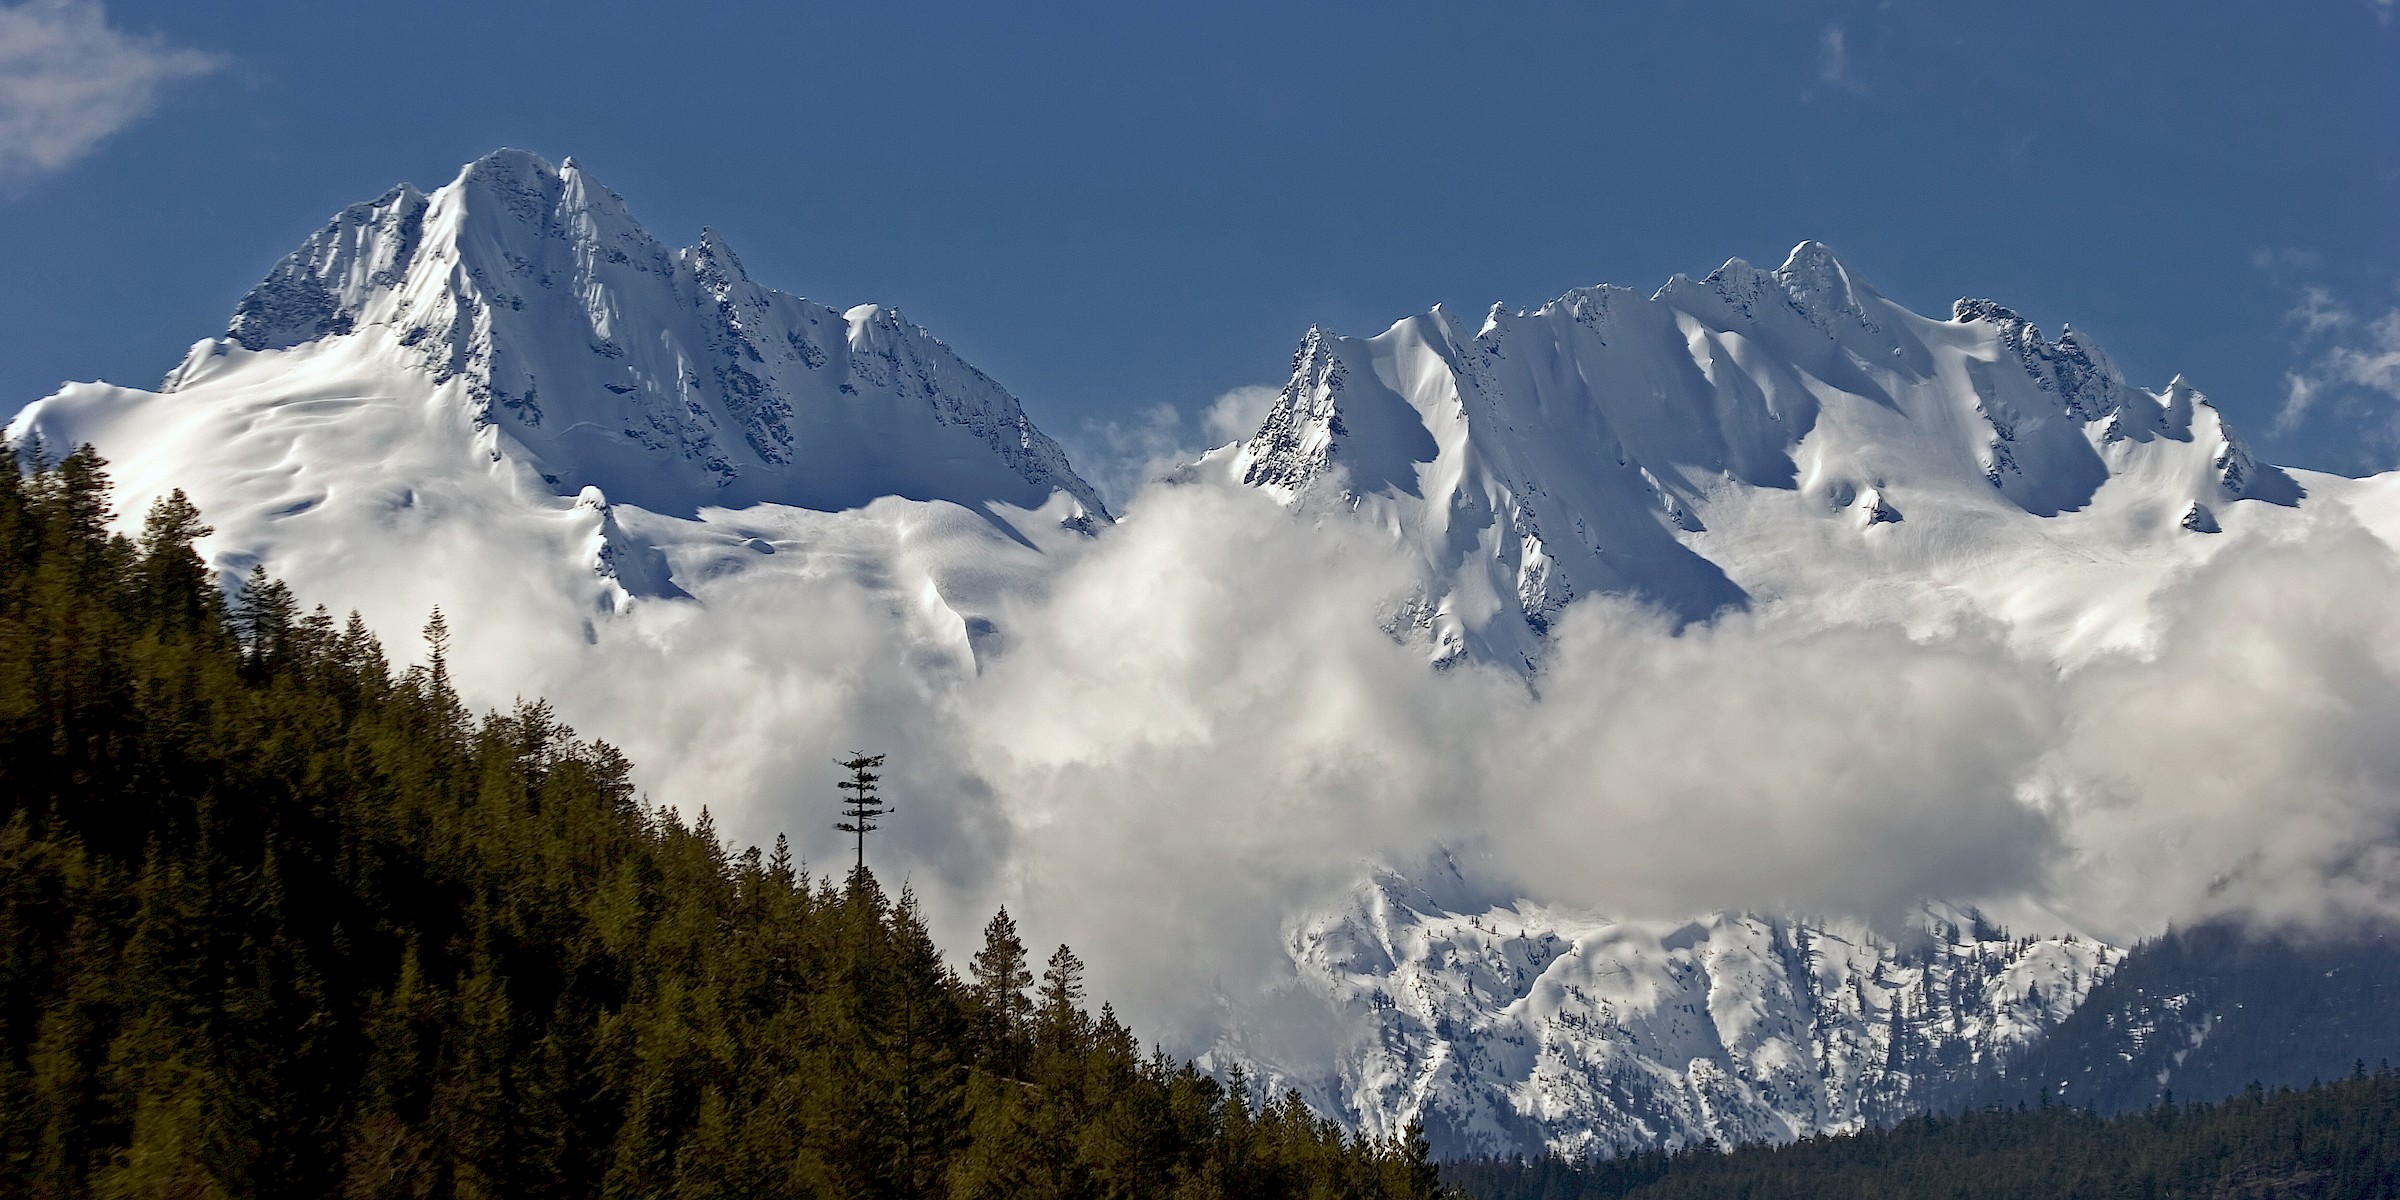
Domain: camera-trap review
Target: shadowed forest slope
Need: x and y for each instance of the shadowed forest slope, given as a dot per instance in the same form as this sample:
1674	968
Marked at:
277	920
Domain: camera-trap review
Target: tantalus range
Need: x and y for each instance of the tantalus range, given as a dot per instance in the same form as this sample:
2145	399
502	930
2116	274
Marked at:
506	395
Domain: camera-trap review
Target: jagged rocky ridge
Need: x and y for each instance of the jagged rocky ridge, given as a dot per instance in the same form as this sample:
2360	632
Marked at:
1646	446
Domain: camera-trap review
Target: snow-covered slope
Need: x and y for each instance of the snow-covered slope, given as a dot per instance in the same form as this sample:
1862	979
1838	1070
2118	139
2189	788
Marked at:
506	393
1758	436
1518	1028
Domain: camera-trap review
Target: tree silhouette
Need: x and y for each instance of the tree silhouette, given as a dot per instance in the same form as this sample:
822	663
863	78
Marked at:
860	803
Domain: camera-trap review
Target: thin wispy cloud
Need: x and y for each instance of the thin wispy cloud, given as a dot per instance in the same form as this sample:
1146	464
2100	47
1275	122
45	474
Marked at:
2285	264
1237	413
1833	61
2351	355
68	81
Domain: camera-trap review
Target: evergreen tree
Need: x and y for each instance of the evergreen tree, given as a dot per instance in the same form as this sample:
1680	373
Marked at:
175	587
265	614
1062	984
1001	976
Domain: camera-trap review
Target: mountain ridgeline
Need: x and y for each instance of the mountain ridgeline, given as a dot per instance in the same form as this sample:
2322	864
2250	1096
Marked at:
1678	447
277	920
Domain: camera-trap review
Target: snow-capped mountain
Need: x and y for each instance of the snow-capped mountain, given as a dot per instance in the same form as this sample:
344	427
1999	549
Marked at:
665	377
1517	1028
1788	441
1787	435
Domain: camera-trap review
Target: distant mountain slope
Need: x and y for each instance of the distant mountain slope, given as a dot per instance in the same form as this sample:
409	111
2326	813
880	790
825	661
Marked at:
2336	1142
1787	441
1522	1029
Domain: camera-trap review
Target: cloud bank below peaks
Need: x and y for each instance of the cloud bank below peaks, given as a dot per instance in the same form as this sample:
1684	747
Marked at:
1193	729
1170	739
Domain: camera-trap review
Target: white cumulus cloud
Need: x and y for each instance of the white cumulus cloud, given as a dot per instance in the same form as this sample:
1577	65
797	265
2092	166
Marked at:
1236	414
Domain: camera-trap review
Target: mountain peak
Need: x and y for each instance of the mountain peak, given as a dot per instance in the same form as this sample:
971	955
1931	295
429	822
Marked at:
1813	272
315	291
1813	260
508	165
530	296
515	185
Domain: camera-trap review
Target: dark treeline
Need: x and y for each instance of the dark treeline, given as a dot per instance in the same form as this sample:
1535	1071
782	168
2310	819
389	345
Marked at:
277	921
2331	1142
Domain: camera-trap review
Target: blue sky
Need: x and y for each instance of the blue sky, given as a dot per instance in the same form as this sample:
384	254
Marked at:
1117	207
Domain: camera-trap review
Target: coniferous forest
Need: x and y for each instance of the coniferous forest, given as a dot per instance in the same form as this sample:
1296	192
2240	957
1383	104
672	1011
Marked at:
2331	1142
279	921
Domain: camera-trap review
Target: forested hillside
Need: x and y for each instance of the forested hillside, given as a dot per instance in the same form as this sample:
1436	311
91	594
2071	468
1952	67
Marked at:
2331	1142
279	921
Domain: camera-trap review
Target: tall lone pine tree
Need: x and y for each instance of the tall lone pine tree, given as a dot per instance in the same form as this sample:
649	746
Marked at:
860	804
